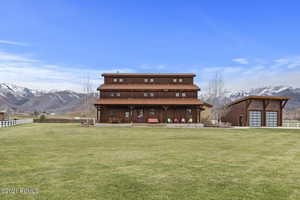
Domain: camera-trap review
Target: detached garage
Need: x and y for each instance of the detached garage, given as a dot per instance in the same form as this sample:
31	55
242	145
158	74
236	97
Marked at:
255	111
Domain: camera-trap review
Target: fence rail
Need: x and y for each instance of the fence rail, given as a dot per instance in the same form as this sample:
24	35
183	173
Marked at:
7	123
291	123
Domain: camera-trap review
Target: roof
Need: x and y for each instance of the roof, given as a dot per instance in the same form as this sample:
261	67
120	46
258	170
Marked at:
149	74
145	101
259	97
148	87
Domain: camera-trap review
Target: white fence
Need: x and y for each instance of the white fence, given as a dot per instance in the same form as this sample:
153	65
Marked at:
291	123
7	123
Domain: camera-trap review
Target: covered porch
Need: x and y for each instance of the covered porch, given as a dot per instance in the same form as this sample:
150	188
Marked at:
183	111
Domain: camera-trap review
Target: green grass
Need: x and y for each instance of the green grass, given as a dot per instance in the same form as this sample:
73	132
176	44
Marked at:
66	161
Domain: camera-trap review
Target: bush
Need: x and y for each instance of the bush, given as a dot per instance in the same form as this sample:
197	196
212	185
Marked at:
43	117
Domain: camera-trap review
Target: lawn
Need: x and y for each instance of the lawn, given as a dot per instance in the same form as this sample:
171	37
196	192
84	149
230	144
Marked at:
66	161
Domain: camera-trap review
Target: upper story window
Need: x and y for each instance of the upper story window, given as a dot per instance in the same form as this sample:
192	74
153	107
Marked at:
183	94
174	80
146	80
177	94
116	80
145	94
151	94
180	80
115	94
151	80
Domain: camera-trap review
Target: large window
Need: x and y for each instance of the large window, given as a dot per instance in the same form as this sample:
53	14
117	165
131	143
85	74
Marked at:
152	112
255	118
189	112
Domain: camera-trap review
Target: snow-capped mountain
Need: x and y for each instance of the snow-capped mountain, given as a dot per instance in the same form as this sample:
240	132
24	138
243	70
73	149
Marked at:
287	91
21	99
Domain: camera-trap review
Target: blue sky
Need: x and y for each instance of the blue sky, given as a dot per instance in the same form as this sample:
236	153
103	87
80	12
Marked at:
57	44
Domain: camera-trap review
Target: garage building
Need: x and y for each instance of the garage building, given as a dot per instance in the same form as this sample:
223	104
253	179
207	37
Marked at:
255	111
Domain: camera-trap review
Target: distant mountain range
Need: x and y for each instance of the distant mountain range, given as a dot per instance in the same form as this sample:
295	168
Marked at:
21	99
286	91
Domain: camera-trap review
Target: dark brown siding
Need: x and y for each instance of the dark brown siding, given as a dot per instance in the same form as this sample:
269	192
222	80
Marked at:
107	94
157	80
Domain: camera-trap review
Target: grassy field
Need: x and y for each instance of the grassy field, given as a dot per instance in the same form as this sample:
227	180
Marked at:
66	161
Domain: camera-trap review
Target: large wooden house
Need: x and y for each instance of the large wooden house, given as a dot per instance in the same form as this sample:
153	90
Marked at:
141	98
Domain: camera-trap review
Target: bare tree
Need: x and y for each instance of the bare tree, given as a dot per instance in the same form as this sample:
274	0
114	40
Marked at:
216	95
87	90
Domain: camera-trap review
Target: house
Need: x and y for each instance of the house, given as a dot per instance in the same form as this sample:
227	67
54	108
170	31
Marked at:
140	98
255	111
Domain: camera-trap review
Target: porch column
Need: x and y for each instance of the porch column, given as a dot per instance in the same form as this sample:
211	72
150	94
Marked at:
99	108
165	114
131	113
198	114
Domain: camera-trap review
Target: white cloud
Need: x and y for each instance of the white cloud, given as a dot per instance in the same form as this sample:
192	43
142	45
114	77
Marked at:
13	43
4	56
28	72
283	71
242	61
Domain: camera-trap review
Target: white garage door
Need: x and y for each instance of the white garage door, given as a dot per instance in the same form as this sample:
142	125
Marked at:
271	119
255	118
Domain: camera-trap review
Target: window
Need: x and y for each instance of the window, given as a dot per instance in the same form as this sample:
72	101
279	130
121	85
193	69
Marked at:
118	94
151	80
115	80
174	80
189	112
140	114
127	114
152	112
151	94
183	94
146	80
145	94
180	80
177	94
112	94
121	80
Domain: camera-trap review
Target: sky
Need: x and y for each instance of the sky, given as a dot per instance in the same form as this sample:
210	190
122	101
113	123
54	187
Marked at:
60	44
